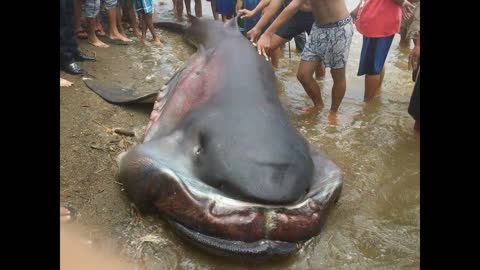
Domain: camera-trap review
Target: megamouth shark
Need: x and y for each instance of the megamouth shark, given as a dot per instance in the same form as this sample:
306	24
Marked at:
220	159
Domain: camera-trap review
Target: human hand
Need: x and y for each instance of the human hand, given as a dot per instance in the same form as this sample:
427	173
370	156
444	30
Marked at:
238	6
263	44
353	14
253	34
407	9
413	57
245	13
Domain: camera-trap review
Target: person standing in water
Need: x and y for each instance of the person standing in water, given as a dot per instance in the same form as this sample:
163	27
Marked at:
378	21
329	44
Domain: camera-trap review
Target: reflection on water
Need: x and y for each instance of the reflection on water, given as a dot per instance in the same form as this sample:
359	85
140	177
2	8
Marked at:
376	222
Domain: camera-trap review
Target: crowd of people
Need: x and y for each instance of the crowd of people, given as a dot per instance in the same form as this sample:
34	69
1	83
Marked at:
269	24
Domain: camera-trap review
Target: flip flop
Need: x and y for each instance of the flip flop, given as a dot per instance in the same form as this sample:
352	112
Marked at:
81	34
100	33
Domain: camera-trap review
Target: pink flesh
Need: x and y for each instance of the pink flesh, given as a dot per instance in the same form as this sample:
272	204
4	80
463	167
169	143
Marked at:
194	88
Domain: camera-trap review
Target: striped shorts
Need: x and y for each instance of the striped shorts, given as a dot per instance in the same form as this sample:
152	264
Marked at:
145	6
92	7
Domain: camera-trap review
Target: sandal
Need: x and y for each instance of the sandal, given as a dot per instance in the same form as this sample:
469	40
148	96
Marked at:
100	33
81	34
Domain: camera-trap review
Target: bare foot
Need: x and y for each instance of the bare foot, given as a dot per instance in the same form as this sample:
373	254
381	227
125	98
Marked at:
144	42
64	215
136	32
313	109
157	42
332	118
119	37
124	36
416	127
65	83
97	43
179	19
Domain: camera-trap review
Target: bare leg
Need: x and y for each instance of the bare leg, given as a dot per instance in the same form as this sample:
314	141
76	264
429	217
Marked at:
179	10
132	19
339	88
76	16
275	45
372	85
320	72
305	76
92	37
275	57
144	29
416	127
188	7
99	28
214	12
121	31
198	8
382	75
112	23
148	18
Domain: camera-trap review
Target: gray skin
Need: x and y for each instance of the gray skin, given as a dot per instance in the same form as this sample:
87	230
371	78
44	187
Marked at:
240	139
220	159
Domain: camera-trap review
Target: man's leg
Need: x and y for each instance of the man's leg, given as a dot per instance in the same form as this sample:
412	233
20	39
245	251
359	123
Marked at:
188	7
375	57
149	23
214	9
68	44
92	7
339	87
275	48
305	76
179	10
113	32
132	18
121	31
198	8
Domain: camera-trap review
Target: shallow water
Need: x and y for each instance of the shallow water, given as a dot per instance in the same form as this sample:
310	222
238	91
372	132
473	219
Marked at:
376	223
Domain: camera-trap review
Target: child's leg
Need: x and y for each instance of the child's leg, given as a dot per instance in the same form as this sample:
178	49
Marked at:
198	8
188	7
214	12
305	76
339	87
77	15
179	10
92	7
132	18
121	31
111	7
148	18
144	27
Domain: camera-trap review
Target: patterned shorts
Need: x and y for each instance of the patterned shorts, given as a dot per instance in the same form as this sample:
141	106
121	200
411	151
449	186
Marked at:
92	7
145	6
329	43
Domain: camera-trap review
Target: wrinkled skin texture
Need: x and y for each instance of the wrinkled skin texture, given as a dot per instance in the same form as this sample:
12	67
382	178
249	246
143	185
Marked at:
220	158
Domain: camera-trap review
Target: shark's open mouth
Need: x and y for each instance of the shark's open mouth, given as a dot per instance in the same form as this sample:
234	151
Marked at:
203	214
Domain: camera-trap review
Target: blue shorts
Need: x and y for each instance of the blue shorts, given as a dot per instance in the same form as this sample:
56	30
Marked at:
251	5
225	7
374	54
144	6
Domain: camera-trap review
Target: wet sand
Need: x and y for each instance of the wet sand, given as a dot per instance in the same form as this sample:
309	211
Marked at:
375	225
